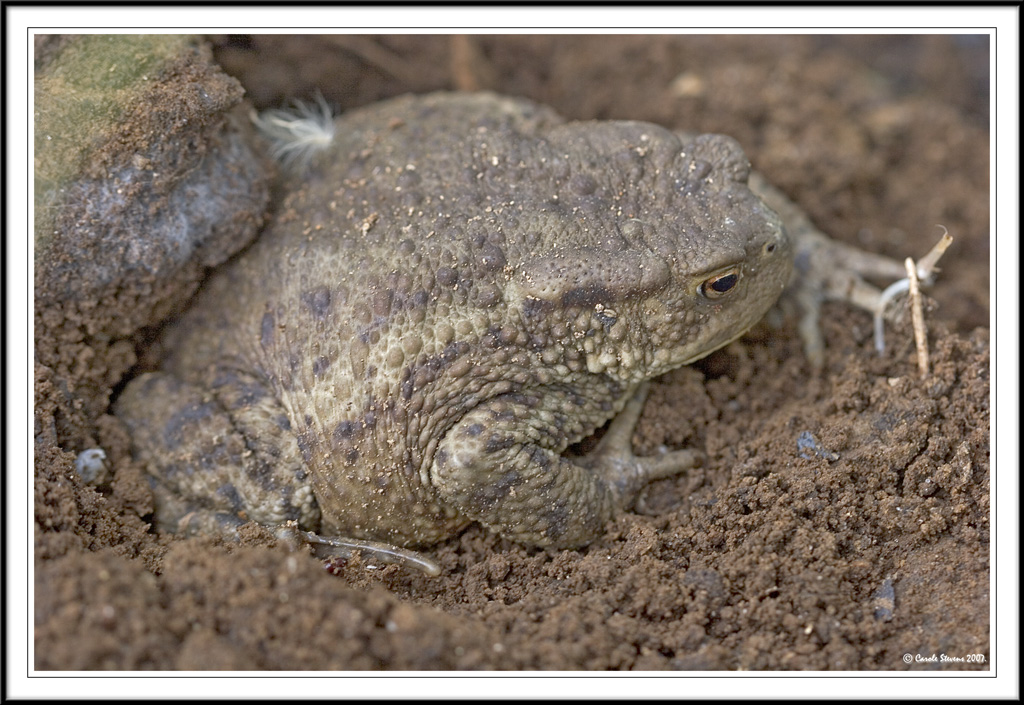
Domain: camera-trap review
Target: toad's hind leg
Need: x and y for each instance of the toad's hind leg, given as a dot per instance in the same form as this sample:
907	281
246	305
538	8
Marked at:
219	458
216	458
502	466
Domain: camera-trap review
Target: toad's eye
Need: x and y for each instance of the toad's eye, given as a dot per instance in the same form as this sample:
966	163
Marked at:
719	285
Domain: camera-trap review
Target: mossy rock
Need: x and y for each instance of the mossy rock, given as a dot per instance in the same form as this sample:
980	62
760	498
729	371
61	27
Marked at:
147	173
139	166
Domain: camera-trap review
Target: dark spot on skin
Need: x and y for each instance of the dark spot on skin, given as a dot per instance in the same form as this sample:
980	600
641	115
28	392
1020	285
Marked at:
370	419
427	370
320	365
694	181
555	518
525	400
541	457
282	422
291	512
700	170
295	360
538	342
508	480
371	334
446	276
475	430
406	383
615	389
492	258
575	398
534	307
174	429
224	377
263	474
238	394
605	320
267	330
582	185
508	336
346	430
488	296
319	301
208	462
305	441
351	456
497	337
421	298
585	296
628	165
504	413
229	493
496	443
441	458
488	495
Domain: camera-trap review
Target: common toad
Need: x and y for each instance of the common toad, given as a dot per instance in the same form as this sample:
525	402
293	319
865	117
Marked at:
457	288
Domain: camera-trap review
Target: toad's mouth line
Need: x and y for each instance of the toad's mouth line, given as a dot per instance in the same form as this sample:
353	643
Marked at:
704	353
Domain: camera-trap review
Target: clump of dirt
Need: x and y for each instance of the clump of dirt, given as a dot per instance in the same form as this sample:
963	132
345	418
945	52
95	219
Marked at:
840	520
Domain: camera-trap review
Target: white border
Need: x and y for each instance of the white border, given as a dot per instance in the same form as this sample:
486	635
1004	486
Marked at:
516	20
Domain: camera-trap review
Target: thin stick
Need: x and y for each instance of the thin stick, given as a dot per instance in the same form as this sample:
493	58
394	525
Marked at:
925	270
917	315
926	265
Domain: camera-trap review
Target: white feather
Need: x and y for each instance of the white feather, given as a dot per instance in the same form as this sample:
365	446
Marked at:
298	134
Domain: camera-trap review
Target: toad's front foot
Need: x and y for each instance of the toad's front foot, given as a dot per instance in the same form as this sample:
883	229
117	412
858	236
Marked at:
827	270
613	455
502	465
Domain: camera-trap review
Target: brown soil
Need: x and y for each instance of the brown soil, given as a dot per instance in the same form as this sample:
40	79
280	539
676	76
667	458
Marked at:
871	545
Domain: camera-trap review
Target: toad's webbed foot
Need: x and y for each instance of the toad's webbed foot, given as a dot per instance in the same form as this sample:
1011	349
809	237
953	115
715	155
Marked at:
502	465
827	270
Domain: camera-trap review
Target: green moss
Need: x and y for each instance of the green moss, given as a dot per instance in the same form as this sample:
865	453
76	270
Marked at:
80	95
